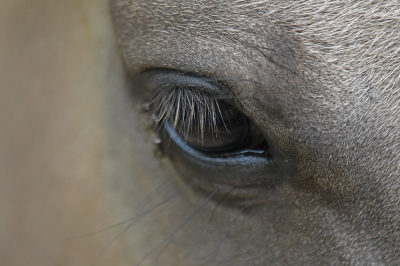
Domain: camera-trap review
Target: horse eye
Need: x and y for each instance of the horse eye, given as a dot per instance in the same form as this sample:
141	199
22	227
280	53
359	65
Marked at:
220	131
202	120
226	129
206	134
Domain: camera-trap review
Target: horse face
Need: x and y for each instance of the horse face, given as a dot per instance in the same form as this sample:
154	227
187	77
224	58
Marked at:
309	177
320	81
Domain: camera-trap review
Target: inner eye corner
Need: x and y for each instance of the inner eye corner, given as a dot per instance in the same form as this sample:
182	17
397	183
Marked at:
203	118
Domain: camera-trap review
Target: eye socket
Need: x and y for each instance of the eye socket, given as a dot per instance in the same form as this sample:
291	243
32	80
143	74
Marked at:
203	120
210	139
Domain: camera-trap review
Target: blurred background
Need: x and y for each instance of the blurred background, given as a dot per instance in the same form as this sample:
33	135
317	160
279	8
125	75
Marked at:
57	61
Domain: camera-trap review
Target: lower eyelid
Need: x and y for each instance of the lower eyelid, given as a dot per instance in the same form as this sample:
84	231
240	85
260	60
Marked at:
245	167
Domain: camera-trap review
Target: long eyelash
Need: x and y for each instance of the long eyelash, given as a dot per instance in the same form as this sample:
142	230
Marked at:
190	108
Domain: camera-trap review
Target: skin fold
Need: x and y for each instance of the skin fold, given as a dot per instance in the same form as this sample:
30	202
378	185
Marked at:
320	78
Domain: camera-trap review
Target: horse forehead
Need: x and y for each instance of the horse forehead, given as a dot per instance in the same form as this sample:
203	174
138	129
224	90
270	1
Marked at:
355	40
311	16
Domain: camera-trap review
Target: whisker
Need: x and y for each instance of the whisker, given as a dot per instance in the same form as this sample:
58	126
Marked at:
133	220
142	213
166	200
219	202
112	242
224	236
179	226
162	251
158	191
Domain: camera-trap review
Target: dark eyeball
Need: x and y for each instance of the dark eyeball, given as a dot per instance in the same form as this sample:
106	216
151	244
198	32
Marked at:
204	122
227	130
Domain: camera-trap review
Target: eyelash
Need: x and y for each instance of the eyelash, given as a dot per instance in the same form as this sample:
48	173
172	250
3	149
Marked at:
190	108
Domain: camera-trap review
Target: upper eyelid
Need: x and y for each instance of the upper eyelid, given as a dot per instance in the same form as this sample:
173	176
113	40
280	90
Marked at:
150	72
158	78
167	78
